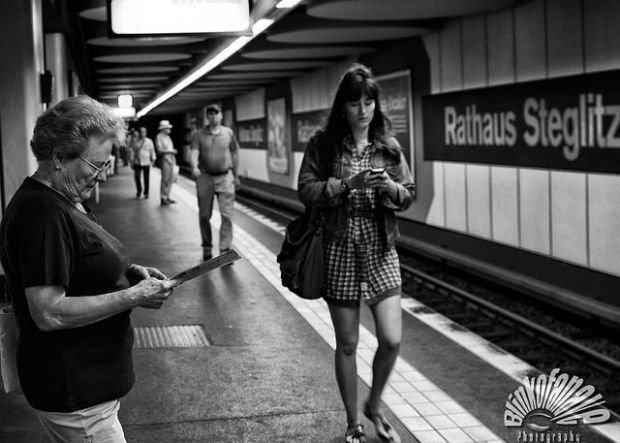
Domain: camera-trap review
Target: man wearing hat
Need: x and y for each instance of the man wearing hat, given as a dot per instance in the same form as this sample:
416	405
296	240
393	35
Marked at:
214	157
167	154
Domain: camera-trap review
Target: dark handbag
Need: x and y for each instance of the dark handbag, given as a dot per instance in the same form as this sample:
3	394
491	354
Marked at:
301	256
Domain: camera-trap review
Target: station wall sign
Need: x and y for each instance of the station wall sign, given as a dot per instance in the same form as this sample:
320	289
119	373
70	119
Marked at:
143	18
252	134
569	123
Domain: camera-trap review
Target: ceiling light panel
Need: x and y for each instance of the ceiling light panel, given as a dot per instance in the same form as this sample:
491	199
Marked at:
277	52
345	34
268	66
150	78
137	70
142	58
401	10
143	42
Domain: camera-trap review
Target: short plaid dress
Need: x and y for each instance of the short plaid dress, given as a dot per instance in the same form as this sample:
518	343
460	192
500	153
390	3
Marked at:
360	266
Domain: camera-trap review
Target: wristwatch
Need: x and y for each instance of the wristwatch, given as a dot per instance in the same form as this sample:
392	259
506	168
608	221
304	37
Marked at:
344	185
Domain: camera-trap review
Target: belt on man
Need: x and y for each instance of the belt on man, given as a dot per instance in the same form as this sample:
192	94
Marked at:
366	213
217	173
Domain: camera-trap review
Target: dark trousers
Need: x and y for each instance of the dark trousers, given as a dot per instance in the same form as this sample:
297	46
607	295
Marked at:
146	173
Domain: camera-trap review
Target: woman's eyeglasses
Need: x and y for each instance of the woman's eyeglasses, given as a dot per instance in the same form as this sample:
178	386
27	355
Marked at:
98	170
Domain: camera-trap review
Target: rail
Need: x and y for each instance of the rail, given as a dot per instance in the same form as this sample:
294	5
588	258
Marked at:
593	358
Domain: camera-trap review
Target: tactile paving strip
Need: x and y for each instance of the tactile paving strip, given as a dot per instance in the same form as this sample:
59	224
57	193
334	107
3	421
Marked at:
182	336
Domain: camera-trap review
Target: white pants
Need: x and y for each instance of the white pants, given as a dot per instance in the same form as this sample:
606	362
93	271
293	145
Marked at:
97	424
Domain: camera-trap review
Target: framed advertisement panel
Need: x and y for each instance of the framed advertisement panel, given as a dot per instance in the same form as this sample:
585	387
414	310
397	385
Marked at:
396	104
251	134
305	125
277	137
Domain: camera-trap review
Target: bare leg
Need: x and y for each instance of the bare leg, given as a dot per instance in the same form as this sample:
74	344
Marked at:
346	325
388	324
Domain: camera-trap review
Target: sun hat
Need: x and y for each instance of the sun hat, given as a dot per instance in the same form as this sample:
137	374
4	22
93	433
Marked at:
164	124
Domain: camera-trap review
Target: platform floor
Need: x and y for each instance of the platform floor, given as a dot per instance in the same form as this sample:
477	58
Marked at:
266	374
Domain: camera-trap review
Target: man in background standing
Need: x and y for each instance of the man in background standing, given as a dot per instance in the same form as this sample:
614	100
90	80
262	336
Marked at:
142	158
214	158
167	155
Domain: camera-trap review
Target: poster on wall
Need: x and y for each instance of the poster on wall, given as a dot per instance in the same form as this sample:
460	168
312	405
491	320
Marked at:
305	125
277	149
251	134
397	106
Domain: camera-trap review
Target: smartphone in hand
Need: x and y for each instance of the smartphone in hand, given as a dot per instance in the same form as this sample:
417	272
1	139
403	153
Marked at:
377	171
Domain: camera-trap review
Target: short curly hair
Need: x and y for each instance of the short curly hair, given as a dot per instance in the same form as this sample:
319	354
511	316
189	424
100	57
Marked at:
65	129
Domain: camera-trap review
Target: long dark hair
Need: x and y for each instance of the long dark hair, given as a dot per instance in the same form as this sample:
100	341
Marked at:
356	82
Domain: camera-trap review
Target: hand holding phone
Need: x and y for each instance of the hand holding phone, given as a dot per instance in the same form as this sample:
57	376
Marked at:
366	178
377	179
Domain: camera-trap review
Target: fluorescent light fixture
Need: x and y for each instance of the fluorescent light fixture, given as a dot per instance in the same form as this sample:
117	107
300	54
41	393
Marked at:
125	112
208	65
261	25
284	4
125	101
165	17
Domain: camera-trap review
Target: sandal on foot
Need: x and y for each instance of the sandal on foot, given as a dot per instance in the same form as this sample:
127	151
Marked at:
355	434
384	429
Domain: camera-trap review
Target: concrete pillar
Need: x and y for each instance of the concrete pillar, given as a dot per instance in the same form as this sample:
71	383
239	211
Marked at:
74	84
22	61
56	62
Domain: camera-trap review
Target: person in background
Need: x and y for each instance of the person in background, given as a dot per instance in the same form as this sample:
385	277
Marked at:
70	282
127	148
114	159
142	158
167	155
214	158
357	175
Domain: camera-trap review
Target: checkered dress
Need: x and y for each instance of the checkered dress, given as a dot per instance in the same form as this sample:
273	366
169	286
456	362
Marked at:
360	266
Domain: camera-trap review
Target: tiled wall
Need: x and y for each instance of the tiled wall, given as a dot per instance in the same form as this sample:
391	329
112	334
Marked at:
571	216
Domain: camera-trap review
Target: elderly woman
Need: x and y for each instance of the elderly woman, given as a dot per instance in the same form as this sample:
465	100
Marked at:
70	281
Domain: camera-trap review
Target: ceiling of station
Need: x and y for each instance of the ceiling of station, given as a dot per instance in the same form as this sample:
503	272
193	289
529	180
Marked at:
313	35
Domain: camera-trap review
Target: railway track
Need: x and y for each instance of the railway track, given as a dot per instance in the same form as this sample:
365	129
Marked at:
544	340
544	336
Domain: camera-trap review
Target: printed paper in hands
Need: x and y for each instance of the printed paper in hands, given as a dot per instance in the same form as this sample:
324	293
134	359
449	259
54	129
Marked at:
226	258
